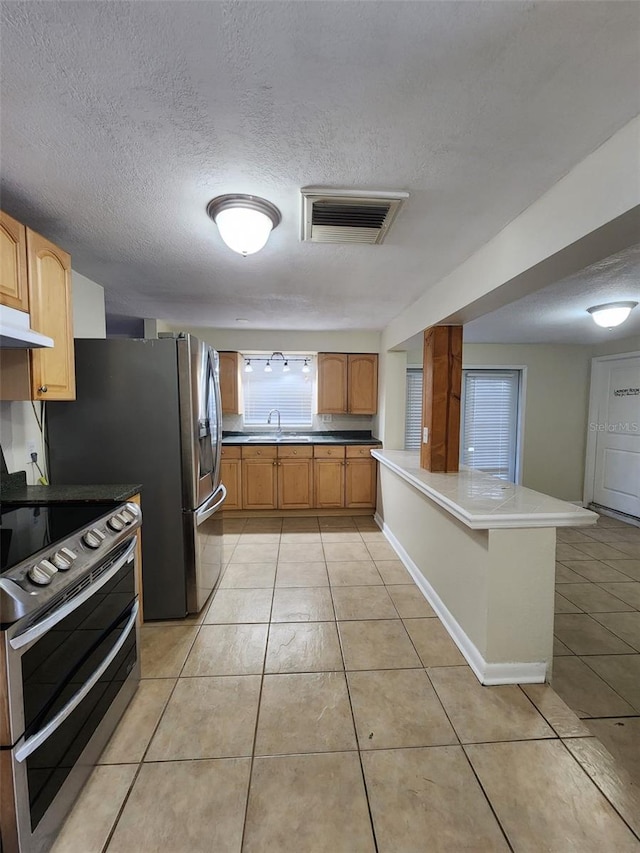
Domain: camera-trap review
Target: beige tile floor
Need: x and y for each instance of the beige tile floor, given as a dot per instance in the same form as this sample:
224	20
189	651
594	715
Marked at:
597	629
317	704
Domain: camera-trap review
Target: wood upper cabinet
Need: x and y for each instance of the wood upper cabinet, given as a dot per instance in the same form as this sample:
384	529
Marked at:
295	477
230	387
360	482
13	263
231	476
259	477
332	383
347	383
49	269
363	383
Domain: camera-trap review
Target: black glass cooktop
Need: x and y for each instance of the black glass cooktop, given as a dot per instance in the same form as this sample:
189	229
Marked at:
25	530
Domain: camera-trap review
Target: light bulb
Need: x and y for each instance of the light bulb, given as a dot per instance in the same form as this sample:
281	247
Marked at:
267	367
243	230
305	367
612	314
247	367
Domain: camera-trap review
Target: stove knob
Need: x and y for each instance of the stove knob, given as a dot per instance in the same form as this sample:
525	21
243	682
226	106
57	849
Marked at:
61	561
125	517
115	523
134	509
38	576
47	567
91	540
69	554
98	533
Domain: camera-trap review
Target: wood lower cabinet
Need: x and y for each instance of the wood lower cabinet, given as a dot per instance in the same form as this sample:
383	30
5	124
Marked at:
360	481
329	467
230	386
231	476
13	264
295	477
259	477
299	477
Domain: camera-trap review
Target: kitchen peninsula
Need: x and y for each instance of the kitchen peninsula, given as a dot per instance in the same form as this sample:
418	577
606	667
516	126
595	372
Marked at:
482	550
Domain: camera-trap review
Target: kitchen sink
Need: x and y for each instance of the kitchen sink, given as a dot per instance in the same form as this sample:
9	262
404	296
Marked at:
280	439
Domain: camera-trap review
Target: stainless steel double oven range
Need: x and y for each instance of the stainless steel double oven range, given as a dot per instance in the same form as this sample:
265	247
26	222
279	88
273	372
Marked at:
69	660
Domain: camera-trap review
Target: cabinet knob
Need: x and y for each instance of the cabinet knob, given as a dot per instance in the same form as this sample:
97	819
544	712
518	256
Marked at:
42	389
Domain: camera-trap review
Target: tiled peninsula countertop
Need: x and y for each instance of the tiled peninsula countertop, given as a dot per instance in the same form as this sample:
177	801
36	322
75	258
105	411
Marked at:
350	437
115	492
482	501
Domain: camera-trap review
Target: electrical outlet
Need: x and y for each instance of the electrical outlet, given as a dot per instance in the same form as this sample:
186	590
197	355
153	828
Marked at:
326	419
425	435
32	447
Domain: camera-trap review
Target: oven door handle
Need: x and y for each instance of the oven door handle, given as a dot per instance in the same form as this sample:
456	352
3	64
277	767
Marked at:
38	739
41	628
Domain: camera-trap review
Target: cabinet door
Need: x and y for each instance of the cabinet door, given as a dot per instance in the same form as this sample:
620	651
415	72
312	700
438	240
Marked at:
13	264
295	483
329	483
52	370
259	483
231	477
230	383
360	483
332	383
363	383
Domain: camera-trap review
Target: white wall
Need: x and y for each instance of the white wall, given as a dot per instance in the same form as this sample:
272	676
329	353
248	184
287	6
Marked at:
556	409
88	307
290	341
597	191
18	421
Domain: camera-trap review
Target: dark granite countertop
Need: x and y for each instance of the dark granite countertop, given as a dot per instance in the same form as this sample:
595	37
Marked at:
333	437
116	492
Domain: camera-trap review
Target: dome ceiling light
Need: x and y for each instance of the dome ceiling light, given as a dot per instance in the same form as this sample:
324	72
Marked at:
612	314
244	221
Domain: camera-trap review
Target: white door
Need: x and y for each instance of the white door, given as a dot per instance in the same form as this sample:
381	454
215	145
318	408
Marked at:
617	429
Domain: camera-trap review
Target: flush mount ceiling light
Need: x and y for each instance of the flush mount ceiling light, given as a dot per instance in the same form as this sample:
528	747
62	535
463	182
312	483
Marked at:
244	221
612	314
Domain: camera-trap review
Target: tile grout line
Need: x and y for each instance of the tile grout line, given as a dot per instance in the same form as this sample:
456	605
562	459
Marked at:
487	798
601	791
255	729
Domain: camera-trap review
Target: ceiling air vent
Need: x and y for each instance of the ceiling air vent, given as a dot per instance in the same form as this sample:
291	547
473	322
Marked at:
348	216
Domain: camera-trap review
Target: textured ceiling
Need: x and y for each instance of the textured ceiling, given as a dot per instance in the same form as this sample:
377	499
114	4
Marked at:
557	314
121	120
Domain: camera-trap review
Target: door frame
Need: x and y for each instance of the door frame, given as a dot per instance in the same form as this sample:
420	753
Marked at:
592	420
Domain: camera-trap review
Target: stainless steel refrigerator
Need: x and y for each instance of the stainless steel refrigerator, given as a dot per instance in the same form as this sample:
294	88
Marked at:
148	411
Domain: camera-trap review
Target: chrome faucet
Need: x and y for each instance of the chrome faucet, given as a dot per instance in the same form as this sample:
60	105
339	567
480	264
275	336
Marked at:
277	411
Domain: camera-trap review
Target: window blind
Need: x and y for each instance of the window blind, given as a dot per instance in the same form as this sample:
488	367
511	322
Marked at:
413	416
291	393
489	428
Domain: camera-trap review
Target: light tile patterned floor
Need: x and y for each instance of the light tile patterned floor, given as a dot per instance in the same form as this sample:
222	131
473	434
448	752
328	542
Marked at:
597	628
319	705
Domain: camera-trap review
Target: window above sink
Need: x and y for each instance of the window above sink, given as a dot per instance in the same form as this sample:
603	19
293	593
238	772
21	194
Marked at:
291	392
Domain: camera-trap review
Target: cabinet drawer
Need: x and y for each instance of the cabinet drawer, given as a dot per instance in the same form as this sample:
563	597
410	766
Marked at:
359	451
260	451
230	451
328	451
295	451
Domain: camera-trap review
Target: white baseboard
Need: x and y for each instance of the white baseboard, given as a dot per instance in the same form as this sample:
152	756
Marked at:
486	673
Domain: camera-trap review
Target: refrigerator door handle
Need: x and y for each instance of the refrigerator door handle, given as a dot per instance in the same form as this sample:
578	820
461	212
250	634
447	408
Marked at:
212	505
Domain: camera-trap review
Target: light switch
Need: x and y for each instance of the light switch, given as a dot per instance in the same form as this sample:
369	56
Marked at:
425	435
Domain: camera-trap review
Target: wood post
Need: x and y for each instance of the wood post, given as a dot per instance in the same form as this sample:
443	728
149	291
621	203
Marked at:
442	385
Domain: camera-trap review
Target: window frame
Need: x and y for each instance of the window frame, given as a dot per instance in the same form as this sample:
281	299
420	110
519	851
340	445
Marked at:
522	401
277	369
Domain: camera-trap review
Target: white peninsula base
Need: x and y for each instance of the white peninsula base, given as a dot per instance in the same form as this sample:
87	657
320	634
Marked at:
483	553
